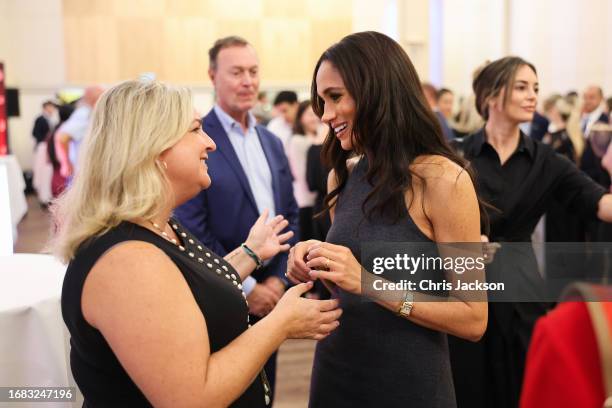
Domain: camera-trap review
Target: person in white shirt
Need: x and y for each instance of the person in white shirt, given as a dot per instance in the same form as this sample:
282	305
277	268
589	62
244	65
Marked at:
592	109
72	132
286	105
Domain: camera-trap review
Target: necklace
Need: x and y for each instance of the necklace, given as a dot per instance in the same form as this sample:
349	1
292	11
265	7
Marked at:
203	256
163	233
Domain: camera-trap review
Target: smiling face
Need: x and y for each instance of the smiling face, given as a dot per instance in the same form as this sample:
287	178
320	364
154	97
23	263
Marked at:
186	162
236	79
339	106
521	105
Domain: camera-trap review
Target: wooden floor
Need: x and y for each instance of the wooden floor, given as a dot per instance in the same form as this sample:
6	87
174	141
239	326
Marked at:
294	357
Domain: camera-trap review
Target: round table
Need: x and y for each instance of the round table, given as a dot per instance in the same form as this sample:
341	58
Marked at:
34	344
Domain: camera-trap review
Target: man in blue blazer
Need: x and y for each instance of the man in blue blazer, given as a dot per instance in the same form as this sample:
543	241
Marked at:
249	172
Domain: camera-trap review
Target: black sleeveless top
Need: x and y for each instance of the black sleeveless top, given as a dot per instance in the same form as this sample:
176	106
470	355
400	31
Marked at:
215	285
375	358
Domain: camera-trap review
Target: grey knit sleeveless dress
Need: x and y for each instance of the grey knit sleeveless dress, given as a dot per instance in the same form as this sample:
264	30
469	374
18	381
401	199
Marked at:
375	358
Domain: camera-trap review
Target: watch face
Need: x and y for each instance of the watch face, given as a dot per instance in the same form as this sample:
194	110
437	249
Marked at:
406	308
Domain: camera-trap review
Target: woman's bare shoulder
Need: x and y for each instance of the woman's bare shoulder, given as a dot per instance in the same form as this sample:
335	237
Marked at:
133	254
436	166
127	267
444	179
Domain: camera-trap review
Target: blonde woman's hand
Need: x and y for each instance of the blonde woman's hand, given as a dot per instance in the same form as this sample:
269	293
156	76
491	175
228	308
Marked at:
265	237
337	264
297	270
307	318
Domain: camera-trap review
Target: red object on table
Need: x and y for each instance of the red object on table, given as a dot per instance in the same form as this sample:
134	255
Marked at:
3	120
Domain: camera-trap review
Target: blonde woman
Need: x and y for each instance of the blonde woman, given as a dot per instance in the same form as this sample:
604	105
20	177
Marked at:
157	319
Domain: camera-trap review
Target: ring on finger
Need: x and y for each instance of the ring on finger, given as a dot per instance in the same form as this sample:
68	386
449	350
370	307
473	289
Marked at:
327	263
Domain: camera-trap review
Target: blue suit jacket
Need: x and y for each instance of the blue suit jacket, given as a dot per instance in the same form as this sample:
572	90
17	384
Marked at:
222	215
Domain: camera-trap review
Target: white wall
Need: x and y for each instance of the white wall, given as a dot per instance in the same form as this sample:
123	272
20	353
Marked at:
414	35
473	32
382	17
32	49
406	21
569	42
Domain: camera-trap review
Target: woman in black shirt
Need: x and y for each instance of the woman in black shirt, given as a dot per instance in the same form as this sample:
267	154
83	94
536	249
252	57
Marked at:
520	177
155	317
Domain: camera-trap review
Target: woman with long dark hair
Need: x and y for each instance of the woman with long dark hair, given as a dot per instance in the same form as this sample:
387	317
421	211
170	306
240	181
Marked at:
392	177
520	177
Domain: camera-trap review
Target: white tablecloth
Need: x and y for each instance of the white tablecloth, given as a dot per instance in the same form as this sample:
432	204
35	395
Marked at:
16	185
34	344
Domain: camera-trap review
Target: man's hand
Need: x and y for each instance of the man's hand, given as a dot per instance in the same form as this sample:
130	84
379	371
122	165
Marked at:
262	300
276	284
